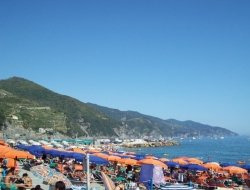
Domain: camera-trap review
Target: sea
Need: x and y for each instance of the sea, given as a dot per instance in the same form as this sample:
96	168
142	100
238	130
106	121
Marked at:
220	149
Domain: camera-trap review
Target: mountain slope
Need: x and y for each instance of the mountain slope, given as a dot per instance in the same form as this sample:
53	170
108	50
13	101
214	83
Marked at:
25	103
78	117
135	122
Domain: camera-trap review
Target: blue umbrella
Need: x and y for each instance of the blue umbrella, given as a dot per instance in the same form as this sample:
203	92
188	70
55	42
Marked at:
139	157
22	146
172	164
194	167
97	160
227	164
245	166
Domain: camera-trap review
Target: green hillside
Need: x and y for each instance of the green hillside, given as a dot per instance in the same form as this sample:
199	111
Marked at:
27	104
66	114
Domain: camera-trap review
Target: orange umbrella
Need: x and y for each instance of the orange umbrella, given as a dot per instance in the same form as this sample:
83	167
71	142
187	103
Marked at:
79	150
2	142
194	160
101	155
17	154
7	152
93	151
114	158
128	161
152	161
180	161
151	157
11	163
2	148
234	170
212	165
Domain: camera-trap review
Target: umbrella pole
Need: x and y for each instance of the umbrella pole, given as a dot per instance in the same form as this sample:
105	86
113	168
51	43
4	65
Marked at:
88	176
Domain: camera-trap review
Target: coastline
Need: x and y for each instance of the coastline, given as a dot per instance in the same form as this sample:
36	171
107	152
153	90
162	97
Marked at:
149	144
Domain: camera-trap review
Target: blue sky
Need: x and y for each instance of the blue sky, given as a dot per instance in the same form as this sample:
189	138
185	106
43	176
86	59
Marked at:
185	59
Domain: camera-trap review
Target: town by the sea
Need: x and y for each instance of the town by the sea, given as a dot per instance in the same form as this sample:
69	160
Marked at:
220	149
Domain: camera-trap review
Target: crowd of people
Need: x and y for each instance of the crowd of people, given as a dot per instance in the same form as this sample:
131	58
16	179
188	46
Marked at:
125	176
12	180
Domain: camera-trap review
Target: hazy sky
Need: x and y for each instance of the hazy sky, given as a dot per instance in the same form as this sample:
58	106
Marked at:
182	59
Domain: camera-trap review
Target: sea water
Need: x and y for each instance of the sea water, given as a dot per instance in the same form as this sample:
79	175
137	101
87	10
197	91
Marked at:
223	150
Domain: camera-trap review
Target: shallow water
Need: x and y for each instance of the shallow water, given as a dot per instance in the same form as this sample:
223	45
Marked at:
229	149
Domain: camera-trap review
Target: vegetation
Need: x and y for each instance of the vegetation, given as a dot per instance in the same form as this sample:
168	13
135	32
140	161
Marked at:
26	103
70	114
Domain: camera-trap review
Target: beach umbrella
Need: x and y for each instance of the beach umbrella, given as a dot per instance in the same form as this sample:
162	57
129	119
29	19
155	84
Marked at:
213	166
139	157
11	163
153	162
151	157
79	150
245	166
194	167
194	160
180	161
172	164
114	158
227	164
97	160
101	155
93	151
79	157
4	148
16	154
234	170
128	161
35	150
3	151
22	146
3	143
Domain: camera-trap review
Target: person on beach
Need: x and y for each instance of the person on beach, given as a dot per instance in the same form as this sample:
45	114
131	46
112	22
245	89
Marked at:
37	187
27	180
60	185
12	179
